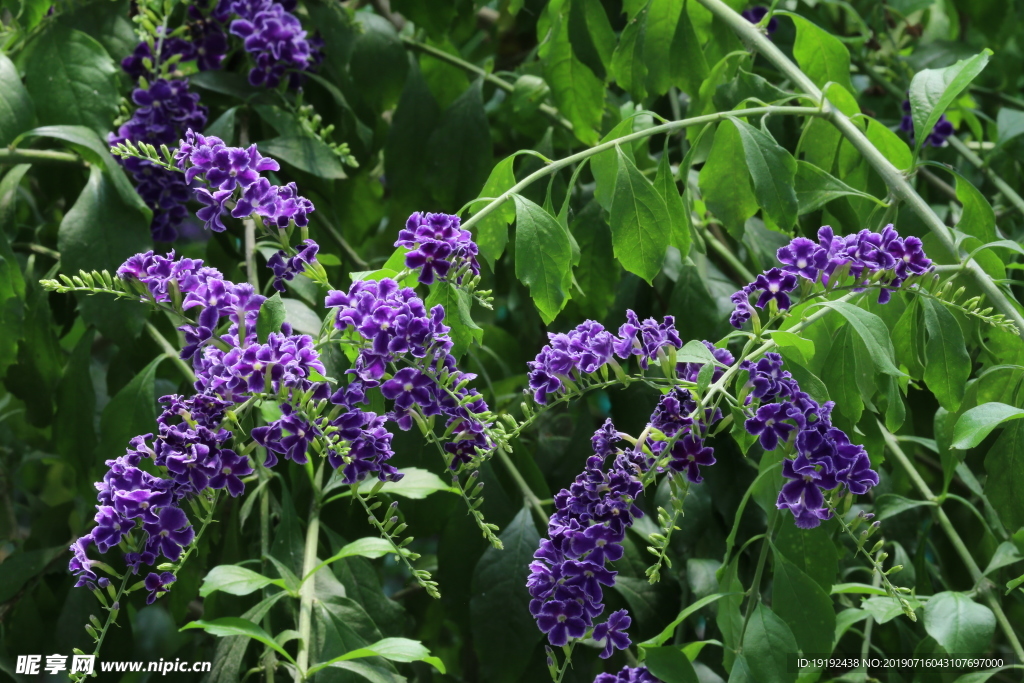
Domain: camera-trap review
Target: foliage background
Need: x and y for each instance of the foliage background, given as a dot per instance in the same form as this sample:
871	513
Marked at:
429	97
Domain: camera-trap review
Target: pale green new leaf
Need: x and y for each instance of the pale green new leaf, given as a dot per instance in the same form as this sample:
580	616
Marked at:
978	422
230	578
933	90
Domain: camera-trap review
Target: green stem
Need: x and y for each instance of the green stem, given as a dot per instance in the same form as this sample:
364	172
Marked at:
170	352
755	586
38	156
876	581
559	164
308	589
954	538
896	181
966	152
250	253
269	656
527	492
725	252
436	53
111	617
36	249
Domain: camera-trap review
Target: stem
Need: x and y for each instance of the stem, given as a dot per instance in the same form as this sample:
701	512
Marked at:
36	249
876	581
726	253
111	616
527	492
972	566
654	130
308	588
896	181
170	352
269	656
38	156
436	53
1008	192
755	587
250	253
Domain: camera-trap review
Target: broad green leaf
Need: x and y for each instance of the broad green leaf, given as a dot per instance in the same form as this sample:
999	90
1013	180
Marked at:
679	217
378	62
236	626
767	643
773	170
747	89
724	183
230	578
528	94
821	55
947	363
933	90
72	79
1005	466
812	550
959	624
417	484
802	603
305	153
578	93
1005	555
694	351
840	375
598	273
884	610
640	222
907	339
271	316
132	411
74	424
394	649
892	146
788	340
21	567
16	110
406	163
666	633
492	229
977	218
224	126
460	148
605	165
457	308
662	31
689	67
815	188
978	422
504	633
12	282
872	331
99	233
895	410
591	35
628	67
669	664
543	257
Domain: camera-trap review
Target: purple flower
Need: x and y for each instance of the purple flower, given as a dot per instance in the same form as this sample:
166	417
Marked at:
286	268
769	424
561	620
232	468
774	285
275	39
158	584
612	633
438	244
111	527
646	339
169	533
289	435
802	494
409	386
639	674
688	453
80	564
803	257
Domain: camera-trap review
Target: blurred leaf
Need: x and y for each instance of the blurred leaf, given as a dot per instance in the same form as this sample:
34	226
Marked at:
773	170
230	578
591	35
933	90
271	315
815	188
378	63
812	551
75	419
958	623
543	257
99	233
666	633
12	282
947	363
767	643
978	422
492	229
640	222
236	626
1005	466
679	215
106	21
20	568
224	126
598	273
977	218
499	588
890	504
460	148
72	79
406	162
821	55
724	182
628	67
669	664
1005	555
1009	124
16	110
132	411
802	603
305	153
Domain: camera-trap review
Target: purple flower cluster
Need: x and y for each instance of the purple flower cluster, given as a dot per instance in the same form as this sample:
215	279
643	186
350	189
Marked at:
756	13
585	532
638	674
825	457
397	326
287	267
166	108
881	256
274	38
939	133
568	357
224	170
685	445
438	245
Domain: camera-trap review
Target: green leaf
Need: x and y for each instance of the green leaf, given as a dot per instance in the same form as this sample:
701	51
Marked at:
821	55
815	188
271	315
892	146
724	183
767	643
499	590
492	229
598	273
666	633
132	411
884	610
787	340
16	110
231	650
679	217
802	603
959	624
1005	466
72	79
872	331
19	568
591	35
1005	555
840	375
605	165
947	363
236	626
107	22
662	31
74	429
978	422
405	151
370	546
628	67
378	63
578	93
933	90
460	148
857	589
812	550
305	153
641	227
416	484
977	218
457	315
528	94
543	257
394	649
1009	124
669	664
773	170
12	282
230	578
890	504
